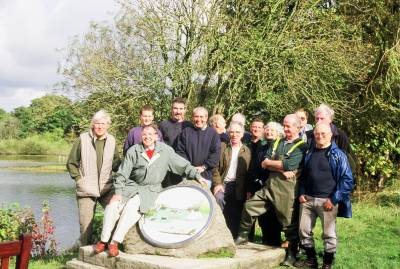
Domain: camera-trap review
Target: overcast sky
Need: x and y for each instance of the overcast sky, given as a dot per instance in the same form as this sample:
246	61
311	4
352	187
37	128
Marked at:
31	32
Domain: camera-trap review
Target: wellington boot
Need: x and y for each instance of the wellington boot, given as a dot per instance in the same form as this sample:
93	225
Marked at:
242	238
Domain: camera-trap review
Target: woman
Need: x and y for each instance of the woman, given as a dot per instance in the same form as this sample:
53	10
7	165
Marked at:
137	185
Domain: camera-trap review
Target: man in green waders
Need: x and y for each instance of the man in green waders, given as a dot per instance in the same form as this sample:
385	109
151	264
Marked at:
283	160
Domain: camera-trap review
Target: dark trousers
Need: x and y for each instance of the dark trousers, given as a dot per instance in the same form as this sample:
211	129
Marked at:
231	207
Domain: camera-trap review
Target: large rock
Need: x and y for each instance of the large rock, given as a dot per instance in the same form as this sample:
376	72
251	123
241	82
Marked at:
216	238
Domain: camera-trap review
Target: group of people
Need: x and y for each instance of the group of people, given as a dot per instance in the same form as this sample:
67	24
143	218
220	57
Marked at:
285	175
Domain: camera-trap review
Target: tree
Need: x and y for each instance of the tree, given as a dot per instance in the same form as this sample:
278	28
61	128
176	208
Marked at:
46	114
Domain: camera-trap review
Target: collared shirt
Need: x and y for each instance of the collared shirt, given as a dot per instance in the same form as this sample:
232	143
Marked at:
231	175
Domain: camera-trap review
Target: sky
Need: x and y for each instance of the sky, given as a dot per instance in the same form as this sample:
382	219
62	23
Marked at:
33	34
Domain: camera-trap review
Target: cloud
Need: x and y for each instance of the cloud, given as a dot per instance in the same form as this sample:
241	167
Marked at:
31	32
16	97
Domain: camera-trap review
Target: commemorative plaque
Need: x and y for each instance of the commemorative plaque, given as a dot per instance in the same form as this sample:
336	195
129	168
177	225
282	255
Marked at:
180	214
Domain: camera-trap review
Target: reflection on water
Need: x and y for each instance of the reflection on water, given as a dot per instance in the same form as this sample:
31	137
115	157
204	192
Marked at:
30	189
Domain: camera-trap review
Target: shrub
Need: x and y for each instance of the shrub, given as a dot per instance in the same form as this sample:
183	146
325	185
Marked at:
15	220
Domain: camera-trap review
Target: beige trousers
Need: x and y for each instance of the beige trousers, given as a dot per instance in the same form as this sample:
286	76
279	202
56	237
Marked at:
309	212
87	208
127	214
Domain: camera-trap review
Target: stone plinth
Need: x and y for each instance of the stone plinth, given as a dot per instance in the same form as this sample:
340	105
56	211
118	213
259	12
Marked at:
216	237
252	256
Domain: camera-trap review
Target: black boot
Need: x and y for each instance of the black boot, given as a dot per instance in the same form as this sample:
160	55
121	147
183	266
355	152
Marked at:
328	260
242	238
291	252
310	261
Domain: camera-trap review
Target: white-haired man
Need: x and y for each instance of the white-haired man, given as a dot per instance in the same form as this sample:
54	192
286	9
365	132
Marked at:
93	158
229	178
239	117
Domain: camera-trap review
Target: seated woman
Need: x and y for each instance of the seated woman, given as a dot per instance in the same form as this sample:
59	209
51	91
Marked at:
229	178
137	184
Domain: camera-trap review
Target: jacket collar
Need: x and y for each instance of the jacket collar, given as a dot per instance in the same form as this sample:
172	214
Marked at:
156	154
94	137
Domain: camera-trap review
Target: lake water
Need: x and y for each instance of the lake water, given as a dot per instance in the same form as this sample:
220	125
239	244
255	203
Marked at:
31	188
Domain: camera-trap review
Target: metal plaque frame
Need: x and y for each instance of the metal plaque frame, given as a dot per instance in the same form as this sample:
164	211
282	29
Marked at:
146	220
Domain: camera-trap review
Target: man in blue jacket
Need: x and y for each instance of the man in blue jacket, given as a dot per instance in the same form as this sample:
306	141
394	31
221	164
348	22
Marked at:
325	193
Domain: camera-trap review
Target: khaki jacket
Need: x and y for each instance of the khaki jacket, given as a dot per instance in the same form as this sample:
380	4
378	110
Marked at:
219	173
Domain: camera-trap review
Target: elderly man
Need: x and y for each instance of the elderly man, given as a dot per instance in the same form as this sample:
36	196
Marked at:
92	159
134	135
325	114
284	161
173	127
137	185
229	178
324	191
200	144
239	117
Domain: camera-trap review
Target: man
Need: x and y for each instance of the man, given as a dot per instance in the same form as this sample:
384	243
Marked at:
134	135
325	114
172	127
284	162
218	122
92	159
239	117
303	116
229	178
137	185
200	144
324	191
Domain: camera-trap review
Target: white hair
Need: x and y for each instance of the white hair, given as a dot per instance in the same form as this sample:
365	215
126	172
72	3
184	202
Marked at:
200	109
324	108
236	124
239	117
100	115
275	126
296	120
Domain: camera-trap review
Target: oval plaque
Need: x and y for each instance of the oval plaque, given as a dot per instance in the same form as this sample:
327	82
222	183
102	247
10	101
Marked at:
180	214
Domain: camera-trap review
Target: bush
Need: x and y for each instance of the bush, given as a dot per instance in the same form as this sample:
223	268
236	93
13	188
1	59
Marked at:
45	144
15	220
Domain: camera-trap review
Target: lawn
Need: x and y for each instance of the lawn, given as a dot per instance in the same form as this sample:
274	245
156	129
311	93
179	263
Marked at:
371	239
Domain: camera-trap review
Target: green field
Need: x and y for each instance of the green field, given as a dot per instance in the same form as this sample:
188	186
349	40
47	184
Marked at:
369	240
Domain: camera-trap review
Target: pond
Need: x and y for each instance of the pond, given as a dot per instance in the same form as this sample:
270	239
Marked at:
31	188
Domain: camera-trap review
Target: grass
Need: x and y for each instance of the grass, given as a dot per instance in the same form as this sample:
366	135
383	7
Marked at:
38	169
222	253
34	145
369	240
49	262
